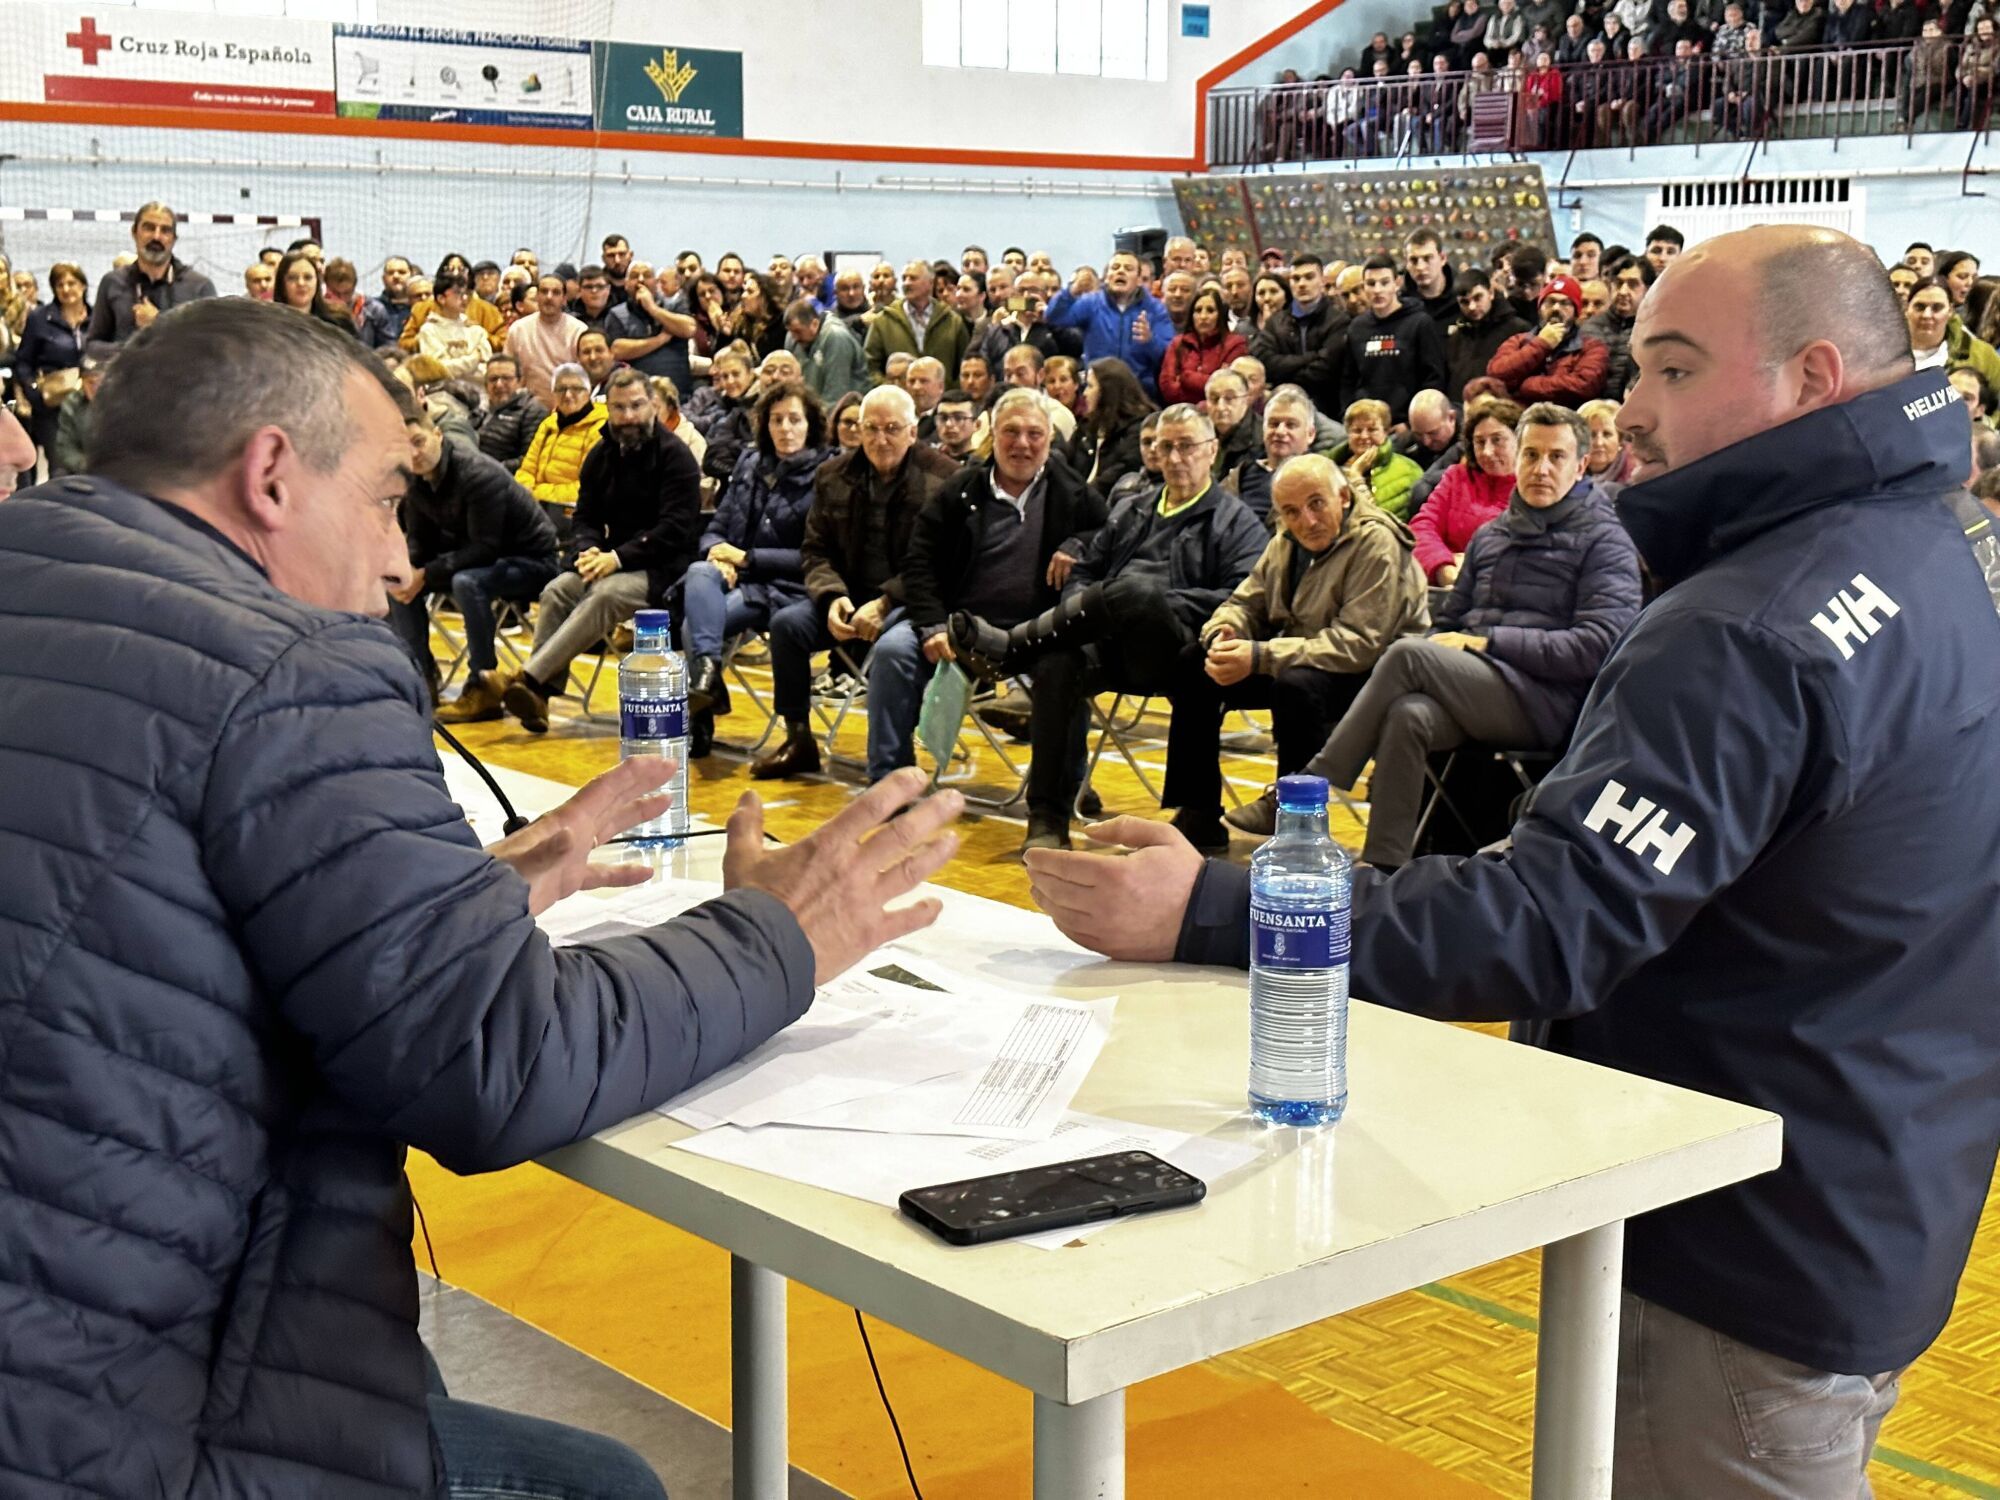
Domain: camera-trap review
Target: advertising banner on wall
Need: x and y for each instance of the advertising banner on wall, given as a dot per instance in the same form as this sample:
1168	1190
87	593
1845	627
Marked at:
167	59
461	77
669	90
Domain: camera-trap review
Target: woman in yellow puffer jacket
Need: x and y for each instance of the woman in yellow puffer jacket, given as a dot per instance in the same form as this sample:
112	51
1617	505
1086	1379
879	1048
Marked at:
565	438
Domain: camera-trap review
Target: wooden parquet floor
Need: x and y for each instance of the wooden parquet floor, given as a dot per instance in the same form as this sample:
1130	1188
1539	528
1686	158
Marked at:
1444	1375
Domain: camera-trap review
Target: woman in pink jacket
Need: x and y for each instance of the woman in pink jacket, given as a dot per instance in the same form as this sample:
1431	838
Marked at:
1206	347
1475	490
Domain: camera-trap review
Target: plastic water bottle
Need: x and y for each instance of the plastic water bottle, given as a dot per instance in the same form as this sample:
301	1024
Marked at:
1300	899
652	713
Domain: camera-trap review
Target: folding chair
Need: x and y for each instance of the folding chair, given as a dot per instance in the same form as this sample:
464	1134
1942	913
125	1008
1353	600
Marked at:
1528	768
454	640
749	649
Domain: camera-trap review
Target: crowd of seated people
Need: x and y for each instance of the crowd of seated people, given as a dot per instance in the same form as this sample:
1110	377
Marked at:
1630	72
1375	500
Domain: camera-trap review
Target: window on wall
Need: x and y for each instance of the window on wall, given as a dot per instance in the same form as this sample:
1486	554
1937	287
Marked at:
1093	38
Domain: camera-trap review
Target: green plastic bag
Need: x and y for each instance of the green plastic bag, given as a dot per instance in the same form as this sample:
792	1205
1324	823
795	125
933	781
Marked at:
943	713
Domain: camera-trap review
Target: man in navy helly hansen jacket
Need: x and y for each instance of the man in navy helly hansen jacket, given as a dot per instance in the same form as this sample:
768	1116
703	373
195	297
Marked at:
1766	869
250	950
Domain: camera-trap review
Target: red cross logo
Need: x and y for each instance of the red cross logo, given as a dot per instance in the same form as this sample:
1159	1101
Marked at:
89	41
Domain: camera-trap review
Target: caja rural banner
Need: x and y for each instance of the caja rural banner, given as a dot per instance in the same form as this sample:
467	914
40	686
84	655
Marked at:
462	77
165	59
661	90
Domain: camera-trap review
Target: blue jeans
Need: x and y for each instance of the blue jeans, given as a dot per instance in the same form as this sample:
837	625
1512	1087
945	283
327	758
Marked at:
491	1454
518	579
897	674
712	614
798	630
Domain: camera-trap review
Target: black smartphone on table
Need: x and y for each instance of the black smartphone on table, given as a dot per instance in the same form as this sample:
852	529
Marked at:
1030	1200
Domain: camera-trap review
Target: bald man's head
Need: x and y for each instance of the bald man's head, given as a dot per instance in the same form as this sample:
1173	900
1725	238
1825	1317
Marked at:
1823	327
1309	497
1819	284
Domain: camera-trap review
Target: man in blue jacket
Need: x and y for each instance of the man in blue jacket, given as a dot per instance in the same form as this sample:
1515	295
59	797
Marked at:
1122	321
250	952
1739	879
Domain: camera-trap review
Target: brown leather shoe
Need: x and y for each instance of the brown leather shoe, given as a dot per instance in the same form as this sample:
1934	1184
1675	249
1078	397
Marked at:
524	701
797	756
478	702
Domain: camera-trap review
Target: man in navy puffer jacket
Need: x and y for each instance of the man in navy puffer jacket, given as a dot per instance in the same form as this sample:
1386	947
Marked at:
1744	877
249	949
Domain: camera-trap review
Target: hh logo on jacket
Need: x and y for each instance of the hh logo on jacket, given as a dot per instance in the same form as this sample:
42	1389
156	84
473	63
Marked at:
1849	619
1642	827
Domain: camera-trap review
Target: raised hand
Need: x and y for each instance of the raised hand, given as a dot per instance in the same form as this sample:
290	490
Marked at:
838	881
553	853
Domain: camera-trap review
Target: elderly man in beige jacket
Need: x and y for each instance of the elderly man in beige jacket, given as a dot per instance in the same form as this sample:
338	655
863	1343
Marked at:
1334	588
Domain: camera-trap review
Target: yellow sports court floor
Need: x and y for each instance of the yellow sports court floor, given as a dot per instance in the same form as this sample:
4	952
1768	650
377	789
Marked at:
1427	1396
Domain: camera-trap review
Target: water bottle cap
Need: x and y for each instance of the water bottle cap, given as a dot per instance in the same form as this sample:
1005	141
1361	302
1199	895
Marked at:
1301	793
653	621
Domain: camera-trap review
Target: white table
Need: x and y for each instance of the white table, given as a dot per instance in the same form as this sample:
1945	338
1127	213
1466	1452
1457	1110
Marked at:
1458	1149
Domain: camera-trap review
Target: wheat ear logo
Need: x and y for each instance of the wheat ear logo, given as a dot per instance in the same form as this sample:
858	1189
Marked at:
670	75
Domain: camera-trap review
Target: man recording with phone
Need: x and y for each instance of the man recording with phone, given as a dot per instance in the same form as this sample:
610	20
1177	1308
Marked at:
1018	320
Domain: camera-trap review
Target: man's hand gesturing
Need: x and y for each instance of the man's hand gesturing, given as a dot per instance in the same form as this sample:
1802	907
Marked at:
839	879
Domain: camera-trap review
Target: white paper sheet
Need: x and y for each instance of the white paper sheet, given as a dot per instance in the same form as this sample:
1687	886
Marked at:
880	1168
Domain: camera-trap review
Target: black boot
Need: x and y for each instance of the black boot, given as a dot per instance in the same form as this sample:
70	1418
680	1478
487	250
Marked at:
1046	830
985	650
705	689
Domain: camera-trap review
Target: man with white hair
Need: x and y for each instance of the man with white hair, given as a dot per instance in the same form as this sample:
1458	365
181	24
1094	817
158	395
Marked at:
1288	432
999	540
1132	605
1179	255
857	536
1332	590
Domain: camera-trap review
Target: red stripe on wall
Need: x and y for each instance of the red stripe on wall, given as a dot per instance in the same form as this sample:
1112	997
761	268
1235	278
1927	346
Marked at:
150	93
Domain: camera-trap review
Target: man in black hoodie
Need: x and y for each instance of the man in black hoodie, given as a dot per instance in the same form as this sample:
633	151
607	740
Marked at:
638	512
476	535
1393	349
1485	322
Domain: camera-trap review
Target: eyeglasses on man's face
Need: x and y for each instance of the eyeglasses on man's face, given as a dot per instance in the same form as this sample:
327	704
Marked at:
1182	448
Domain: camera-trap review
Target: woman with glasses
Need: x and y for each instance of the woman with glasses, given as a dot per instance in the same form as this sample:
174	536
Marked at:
845	423
750	565
563	441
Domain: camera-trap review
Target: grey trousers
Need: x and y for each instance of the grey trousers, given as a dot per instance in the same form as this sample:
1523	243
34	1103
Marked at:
575	615
1420	697
1702	1417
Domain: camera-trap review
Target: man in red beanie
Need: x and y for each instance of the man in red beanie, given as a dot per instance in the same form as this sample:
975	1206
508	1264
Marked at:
1559	362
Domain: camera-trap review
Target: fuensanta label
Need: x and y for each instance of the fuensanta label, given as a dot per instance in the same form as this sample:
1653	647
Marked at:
1282	938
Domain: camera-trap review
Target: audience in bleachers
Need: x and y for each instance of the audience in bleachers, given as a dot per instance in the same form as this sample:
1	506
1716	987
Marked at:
1632	72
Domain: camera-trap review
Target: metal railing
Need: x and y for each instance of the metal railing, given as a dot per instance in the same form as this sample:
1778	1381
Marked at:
1883	89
